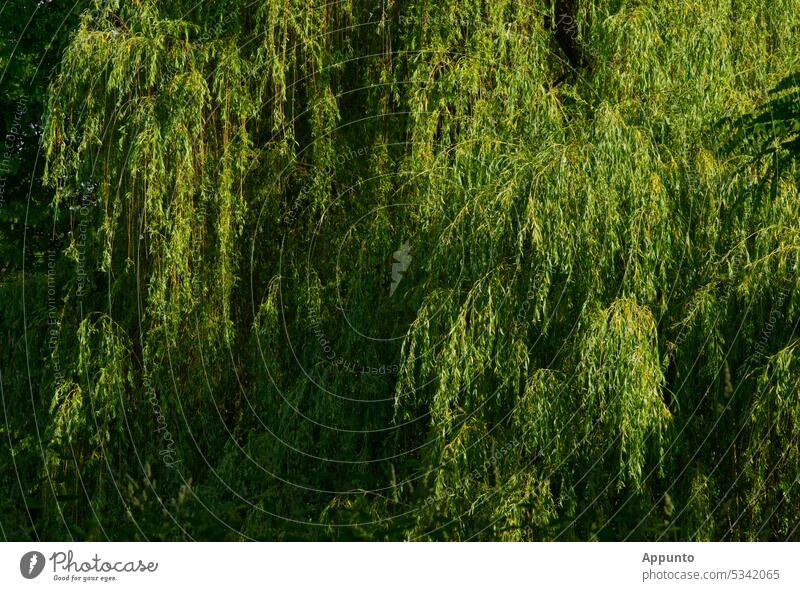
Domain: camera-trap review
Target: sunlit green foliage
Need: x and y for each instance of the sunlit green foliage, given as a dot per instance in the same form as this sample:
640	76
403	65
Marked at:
595	337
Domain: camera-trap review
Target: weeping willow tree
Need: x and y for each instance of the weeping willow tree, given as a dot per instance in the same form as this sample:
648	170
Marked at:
411	270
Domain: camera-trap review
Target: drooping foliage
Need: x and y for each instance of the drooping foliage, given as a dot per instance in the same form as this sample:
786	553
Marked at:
414	270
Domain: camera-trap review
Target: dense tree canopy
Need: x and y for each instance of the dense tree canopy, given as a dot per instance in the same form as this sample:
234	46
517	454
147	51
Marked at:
462	270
